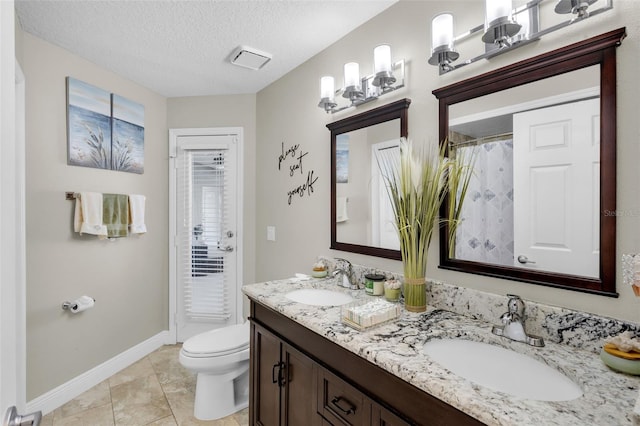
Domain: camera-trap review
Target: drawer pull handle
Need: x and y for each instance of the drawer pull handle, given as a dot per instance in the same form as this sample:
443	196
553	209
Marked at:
351	409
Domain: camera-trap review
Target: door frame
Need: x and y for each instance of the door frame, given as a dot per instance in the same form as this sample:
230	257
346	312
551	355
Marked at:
12	218
174	134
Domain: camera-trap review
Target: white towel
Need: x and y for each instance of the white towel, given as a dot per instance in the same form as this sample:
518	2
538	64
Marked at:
136	214
88	215
341	209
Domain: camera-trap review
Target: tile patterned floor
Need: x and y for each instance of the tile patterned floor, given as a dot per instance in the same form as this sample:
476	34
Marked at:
156	391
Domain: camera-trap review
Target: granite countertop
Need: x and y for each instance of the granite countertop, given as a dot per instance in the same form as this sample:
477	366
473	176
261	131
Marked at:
608	398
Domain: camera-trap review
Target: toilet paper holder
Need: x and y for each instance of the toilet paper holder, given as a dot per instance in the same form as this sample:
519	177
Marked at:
66	306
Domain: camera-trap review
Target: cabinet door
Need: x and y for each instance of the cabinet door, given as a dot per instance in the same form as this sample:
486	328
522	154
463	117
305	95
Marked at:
299	384
265	375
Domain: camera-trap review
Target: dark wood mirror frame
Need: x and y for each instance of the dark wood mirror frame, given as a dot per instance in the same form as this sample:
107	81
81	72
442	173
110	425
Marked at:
392	111
599	50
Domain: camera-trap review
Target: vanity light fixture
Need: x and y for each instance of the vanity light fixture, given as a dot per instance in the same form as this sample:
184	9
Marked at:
505	28
327	92
387	76
352	88
499	24
577	7
383	74
442	50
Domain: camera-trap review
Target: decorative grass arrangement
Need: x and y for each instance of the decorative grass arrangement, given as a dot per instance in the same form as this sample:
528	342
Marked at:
417	187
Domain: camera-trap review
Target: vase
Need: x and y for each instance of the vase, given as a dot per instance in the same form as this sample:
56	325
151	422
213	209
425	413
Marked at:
415	294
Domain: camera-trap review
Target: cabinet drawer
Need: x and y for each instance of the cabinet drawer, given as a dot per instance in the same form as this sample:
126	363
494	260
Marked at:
339	402
383	417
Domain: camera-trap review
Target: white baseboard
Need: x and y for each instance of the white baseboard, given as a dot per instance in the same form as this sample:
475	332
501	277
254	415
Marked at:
82	383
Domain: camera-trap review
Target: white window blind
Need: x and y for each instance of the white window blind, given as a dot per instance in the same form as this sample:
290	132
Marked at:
205	201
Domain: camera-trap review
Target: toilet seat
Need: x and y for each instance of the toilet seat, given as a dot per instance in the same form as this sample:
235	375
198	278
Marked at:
218	342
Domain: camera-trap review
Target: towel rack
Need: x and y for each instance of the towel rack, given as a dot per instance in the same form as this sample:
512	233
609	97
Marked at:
71	195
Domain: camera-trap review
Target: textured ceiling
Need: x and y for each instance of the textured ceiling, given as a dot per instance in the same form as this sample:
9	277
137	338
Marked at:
182	48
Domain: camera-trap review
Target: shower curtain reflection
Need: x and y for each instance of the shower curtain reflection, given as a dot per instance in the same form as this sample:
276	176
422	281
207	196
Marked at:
486	232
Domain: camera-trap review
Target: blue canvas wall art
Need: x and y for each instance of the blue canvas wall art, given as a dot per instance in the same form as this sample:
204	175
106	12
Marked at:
127	147
88	125
104	130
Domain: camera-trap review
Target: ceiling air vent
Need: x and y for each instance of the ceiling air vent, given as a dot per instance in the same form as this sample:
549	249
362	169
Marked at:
249	57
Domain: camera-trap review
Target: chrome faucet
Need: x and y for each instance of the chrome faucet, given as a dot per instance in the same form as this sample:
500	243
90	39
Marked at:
345	274
513	323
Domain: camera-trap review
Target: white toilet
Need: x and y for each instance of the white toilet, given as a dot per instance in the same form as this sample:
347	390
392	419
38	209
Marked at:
220	358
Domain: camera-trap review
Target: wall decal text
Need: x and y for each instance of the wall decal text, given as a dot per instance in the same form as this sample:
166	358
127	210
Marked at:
293	157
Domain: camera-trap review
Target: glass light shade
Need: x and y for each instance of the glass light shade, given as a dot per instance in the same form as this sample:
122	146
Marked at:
497	9
382	59
351	74
578	7
327	87
524	21
442	30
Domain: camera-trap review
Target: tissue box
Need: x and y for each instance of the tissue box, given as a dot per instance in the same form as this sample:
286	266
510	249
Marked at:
368	313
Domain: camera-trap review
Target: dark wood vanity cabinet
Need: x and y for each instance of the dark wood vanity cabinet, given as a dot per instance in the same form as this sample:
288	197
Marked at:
282	382
300	378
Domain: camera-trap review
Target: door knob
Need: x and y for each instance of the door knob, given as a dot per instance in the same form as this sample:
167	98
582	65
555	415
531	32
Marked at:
12	418
524	260
226	248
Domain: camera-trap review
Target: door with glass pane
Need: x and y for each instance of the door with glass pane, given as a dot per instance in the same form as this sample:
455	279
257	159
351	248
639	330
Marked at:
206	233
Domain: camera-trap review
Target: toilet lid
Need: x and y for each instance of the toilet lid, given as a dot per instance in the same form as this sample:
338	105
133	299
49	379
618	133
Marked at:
220	341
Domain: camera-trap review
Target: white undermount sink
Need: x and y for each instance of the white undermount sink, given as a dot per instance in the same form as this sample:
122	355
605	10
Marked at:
502	370
319	297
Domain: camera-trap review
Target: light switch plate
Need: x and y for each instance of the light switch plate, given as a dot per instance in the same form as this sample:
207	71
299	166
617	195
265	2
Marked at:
271	233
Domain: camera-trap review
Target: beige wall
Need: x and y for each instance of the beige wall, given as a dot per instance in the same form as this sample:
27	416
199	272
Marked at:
128	277
303	226
227	111
119	275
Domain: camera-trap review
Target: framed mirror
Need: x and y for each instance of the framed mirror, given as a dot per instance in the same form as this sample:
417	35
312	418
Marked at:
360	221
541	135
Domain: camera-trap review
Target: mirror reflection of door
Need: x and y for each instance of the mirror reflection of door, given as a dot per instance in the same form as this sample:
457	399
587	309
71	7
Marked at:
535	190
356	193
557	196
383	229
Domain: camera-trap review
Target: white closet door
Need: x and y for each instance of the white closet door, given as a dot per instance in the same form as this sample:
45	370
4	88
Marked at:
206	233
556	188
